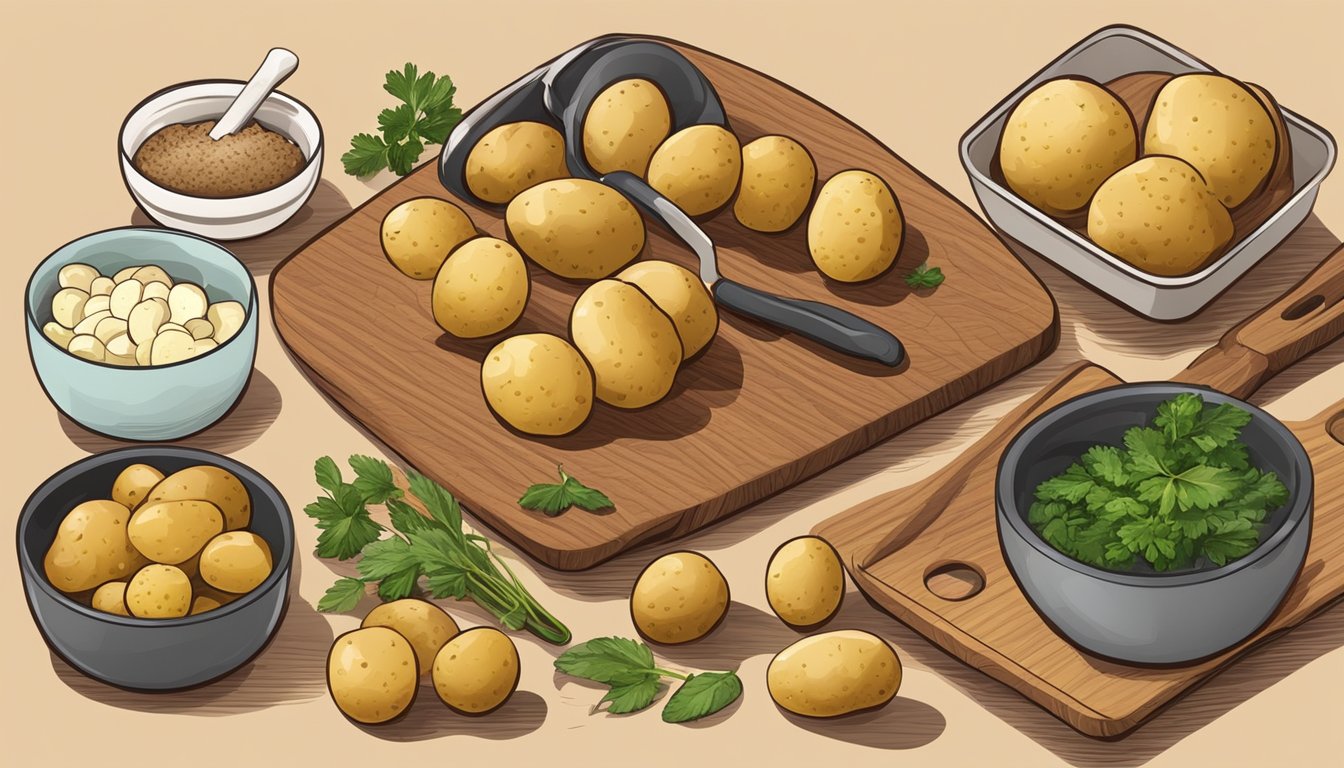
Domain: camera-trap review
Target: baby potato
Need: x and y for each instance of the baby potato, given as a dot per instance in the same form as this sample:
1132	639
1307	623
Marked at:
481	289
87	347
777	180
152	273
513	157
120	350
77	275
538	384
575	228
67	306
1062	141
805	582
173	531
202	604
697	168
134	483
110	598
678	292
125	273
171	346
679	597
186	301
91	547
124	298
477	671
146	318
834	673
226	317
236	561
427	626
624	125
155	290
371	674
1160	216
856	227
101	286
59	334
91	320
419	234
109	327
200	328
208	483
631	344
159	591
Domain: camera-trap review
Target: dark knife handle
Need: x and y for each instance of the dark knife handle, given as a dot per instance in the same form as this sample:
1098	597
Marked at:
824	324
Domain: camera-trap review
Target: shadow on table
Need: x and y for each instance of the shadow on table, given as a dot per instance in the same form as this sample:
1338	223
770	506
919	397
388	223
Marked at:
428	718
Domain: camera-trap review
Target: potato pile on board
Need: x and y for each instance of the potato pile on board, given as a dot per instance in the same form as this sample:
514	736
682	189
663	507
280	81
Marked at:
1161	201
161	547
138	316
374	672
633	328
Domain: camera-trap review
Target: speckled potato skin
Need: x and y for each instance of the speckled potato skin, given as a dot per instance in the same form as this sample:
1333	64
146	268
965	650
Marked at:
625	124
91	547
575	228
133	485
778	176
1160	216
110	598
419	234
236	561
513	157
427	626
159	591
834	673
856	227
680	597
631	344
1217	125
477	671
173	531
481	289
1062	141
697	168
372	675
679	293
805	582
538	384
208	483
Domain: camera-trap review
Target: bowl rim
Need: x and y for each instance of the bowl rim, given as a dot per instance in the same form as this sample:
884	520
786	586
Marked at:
1300	485
33	576
31	315
127	164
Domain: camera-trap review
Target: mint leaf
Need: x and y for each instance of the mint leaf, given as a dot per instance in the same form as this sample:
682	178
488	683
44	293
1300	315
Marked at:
342	596
631	697
553	498
607	660
367	155
373	479
925	276
701	695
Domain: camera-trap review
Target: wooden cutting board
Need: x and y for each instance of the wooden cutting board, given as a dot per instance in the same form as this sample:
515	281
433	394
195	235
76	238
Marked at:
922	553
757	413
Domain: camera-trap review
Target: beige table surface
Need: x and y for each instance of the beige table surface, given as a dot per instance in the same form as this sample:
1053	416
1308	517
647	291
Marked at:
914	75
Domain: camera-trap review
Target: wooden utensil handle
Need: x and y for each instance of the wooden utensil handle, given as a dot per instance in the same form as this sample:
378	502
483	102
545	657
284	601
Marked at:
1304	319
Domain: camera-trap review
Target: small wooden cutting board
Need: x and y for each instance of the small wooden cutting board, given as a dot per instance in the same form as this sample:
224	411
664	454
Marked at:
755	414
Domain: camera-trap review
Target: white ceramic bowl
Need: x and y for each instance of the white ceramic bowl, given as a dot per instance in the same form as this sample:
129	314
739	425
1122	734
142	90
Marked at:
223	218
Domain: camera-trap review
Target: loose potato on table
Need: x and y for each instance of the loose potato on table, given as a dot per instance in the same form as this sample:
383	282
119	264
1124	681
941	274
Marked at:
624	125
159	592
513	157
834	673
777	180
679	293
425	625
678	598
575	228
91	547
697	168
477	671
805	582
208	483
236	561
418	235
538	384
1062	141
134	483
856	227
481	289
372	674
1160	216
173	531
1220	127
631	344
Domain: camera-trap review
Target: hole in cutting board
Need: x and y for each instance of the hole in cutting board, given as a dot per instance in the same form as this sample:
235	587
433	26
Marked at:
1336	428
1303	308
954	581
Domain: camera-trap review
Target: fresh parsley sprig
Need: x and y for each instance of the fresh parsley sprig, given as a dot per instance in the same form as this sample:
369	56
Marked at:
627	666
1180	491
554	498
425	116
434	547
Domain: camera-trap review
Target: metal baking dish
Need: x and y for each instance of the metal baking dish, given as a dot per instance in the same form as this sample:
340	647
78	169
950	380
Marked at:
1107	54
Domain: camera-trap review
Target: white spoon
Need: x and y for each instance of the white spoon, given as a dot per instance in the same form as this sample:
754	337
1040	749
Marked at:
278	65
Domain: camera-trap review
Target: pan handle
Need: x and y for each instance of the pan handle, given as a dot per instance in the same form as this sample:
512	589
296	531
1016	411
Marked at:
1306	318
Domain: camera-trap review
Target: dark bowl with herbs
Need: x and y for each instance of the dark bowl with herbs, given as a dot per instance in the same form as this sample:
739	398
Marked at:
1155	523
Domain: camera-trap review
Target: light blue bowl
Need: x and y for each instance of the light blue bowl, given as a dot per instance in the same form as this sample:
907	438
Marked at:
163	402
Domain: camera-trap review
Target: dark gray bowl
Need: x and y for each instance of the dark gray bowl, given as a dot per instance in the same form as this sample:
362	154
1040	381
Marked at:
1149	617
152	654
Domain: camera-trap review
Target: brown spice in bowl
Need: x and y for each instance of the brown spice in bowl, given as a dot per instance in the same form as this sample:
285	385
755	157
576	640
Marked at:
183	158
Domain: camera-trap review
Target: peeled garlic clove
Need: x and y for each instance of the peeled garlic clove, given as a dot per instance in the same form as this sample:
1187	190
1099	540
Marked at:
199	328
152	274
76	276
227	317
146	318
67	306
102	286
187	301
90	321
155	290
87	347
59	334
124	297
172	346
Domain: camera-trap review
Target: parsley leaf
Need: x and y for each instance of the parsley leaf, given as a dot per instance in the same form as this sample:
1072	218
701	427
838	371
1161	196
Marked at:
342	596
925	276
373	479
328	474
629	668
367	155
345	524
606	659
425	116
701	695
554	498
